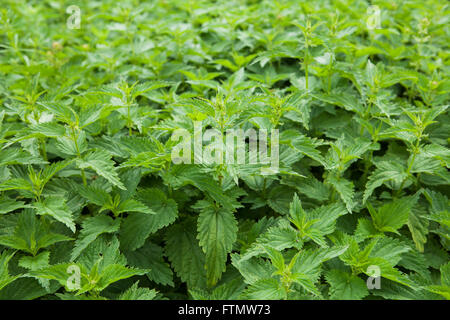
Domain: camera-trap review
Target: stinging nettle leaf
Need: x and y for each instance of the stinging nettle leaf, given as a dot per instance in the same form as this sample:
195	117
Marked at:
100	161
56	207
217	231
92	227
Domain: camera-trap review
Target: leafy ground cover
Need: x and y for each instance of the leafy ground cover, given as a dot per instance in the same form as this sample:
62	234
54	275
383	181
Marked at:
92	205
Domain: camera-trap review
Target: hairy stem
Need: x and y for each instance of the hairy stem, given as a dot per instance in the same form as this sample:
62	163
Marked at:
408	170
75	140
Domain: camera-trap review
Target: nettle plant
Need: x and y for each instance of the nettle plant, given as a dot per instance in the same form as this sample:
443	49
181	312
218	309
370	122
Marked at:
93	205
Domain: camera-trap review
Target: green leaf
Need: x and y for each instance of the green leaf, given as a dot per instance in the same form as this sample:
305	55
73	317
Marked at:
181	238
67	146
16	156
95	195
194	176
92	227
35	263
438	152
278	238
231	290
365	229
276	258
5	277
150	257
148	86
16	184
389	249
8	205
392	216
138	226
115	272
279	199
317	223
445	274
389	272
56	207
53	169
265	289
100	161
345	100
384	173
31	234
58	272
344	188
48	129
345	286
395	77
253	270
304	145
23	289
418	226
136	293
132	205
217	231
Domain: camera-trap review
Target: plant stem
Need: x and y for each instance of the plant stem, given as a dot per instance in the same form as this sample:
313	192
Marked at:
306	65
408	170
129	122
75	138
329	82
43	149
366	117
367	165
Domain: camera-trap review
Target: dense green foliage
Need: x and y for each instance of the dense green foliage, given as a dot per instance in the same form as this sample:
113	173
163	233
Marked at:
87	183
